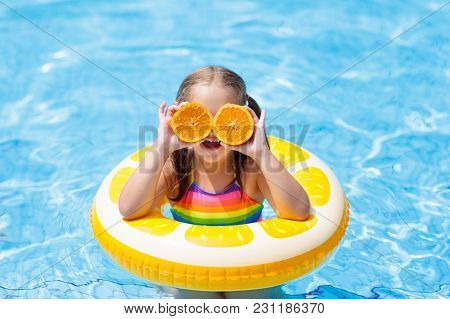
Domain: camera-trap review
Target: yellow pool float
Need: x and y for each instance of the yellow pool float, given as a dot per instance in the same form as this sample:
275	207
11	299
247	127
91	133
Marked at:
225	258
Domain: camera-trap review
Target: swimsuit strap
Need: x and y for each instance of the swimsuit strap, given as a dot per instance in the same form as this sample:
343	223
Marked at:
230	185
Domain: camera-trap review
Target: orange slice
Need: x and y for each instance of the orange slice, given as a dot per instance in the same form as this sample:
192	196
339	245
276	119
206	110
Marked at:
233	124
192	122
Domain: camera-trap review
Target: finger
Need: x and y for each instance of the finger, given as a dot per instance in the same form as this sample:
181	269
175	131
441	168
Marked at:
255	117
262	119
172	109
251	139
162	108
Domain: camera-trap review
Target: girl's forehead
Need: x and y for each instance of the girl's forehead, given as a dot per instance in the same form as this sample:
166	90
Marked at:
213	96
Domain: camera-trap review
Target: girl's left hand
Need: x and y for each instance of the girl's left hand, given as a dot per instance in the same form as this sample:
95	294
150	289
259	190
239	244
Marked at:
257	144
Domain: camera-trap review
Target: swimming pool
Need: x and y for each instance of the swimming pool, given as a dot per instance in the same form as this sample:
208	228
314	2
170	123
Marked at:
67	118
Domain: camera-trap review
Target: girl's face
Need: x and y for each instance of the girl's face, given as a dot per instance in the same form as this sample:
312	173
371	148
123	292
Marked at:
212	97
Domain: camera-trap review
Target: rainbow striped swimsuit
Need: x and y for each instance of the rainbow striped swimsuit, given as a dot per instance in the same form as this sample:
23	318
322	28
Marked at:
216	209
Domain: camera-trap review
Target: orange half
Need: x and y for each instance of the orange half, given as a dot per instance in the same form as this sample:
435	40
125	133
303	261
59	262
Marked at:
192	122
233	124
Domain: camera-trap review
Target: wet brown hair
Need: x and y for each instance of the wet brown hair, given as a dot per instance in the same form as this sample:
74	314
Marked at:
182	159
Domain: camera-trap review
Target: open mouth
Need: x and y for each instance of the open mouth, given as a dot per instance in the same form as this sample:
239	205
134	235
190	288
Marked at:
211	144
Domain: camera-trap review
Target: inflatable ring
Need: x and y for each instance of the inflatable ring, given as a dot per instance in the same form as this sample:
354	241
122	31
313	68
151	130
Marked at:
225	258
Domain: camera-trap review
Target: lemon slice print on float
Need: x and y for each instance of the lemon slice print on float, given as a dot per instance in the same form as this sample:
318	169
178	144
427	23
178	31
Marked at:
158	226
315	183
284	228
118	181
139	155
218	236
286	152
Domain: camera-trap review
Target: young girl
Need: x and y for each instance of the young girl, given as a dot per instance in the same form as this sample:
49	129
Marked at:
208	171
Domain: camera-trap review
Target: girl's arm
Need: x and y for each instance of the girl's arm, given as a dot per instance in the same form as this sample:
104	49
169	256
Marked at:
147	185
151	181
286	196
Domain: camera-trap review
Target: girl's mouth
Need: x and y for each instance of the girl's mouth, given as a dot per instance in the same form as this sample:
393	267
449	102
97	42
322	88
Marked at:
211	144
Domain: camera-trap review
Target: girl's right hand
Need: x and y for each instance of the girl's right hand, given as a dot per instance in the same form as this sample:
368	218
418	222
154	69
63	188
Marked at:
167	140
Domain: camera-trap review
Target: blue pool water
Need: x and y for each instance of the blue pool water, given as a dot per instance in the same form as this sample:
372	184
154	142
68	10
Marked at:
383	127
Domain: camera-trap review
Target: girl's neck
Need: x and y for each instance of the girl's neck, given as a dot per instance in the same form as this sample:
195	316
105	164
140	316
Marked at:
213	176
